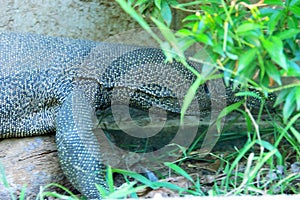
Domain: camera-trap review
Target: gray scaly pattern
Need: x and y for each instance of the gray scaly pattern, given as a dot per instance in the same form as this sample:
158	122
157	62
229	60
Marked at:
50	84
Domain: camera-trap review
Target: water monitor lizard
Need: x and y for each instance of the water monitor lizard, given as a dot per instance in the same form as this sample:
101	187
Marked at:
51	84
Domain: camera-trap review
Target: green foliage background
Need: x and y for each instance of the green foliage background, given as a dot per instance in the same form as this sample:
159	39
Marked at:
255	44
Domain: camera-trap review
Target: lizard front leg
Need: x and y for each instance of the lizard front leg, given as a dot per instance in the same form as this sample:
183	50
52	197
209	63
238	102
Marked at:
78	147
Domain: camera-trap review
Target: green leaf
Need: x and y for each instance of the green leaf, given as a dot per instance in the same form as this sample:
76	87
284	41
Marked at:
179	171
140	2
226	111
289	126
297	98
204	39
294	2
142	179
189	97
292	22
295	10
126	190
273	72
288	109
208	9
167	49
173	2
184	32
293	69
231	55
166	12
287	34
262	67
253	39
136	176
289	105
23	192
228	73
53	194
274	2
217	48
246	27
274	20
185	42
271	147
110	179
102	190
281	96
247	58
296	133
127	8
166	31
158	4
195	27
191	18
274	47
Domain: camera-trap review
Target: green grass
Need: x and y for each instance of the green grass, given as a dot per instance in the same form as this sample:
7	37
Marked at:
250	170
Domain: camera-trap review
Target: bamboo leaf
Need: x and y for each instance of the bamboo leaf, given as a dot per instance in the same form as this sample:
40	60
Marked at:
273	2
274	47
127	8
201	37
273	72
166	12
247	58
136	176
246	27
179	171
281	97
226	111
288	34
289	105
189	97
158	4
295	10
274	20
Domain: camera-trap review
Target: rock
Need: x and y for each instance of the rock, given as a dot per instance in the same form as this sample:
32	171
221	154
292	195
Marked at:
30	162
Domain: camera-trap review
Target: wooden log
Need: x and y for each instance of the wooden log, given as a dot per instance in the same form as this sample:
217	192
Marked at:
30	162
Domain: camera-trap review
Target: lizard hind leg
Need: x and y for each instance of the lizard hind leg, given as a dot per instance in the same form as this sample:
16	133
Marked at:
78	147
